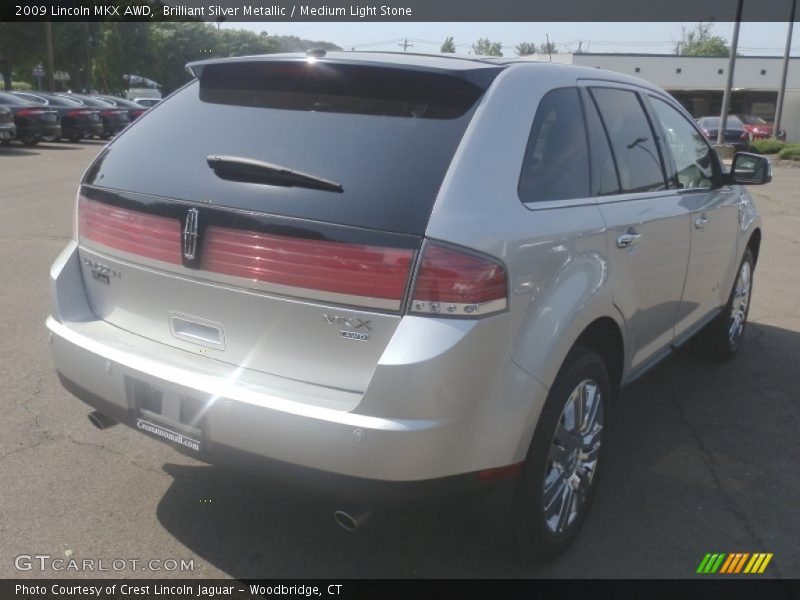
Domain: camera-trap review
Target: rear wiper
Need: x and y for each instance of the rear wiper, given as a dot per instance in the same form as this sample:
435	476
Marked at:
247	170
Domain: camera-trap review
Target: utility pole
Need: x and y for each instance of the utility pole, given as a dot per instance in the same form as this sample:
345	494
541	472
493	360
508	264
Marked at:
405	45
726	97
776	126
48	43
549	50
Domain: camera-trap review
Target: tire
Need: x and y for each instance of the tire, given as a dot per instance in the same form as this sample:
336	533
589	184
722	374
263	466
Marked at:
560	465
29	141
74	139
721	339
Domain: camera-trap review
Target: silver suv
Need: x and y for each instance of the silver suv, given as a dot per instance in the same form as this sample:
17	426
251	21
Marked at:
405	274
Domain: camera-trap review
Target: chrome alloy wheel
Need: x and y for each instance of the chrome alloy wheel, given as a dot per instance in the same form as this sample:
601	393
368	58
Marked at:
741	299
574	452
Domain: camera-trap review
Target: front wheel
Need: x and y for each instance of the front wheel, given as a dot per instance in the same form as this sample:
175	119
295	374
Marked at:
560	475
722	338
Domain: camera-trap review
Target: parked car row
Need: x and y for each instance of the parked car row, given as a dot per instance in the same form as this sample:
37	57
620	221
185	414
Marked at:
740	130
32	117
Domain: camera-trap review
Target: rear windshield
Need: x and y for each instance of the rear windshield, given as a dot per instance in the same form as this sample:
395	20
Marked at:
11	100
731	123
385	135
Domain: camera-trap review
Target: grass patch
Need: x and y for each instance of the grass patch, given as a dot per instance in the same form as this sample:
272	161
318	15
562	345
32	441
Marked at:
767	146
790	152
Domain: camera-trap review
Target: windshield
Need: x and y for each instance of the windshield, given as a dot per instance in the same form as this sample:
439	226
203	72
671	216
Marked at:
732	123
385	135
753	120
11	100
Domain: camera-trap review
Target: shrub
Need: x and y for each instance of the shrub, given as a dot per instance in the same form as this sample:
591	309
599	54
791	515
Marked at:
790	152
767	146
21	86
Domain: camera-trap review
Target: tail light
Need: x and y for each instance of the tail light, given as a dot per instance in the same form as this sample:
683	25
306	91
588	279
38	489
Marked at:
452	282
368	275
145	235
137	113
78	112
29	112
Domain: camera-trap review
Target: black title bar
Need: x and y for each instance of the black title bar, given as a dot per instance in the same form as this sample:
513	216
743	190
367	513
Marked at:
392	10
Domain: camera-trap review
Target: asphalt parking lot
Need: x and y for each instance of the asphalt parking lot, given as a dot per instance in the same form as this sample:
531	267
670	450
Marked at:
702	457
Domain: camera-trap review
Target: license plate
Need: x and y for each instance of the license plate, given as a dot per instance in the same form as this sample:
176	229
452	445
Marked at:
165	433
168	414
5	135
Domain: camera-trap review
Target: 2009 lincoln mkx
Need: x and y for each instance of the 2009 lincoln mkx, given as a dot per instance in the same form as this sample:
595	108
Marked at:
523	239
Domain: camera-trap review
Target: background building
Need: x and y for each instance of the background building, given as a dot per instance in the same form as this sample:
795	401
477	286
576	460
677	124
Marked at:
698	81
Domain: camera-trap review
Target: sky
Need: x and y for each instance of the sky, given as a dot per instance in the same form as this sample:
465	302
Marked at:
658	38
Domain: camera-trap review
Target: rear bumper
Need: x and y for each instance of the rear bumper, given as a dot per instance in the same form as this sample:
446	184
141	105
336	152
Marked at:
370	492
114	127
82	129
281	421
39	131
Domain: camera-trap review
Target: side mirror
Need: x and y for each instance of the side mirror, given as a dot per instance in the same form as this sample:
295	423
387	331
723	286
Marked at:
750	169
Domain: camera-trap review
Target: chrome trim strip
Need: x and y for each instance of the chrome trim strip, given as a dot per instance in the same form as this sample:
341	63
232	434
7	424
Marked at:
457	309
241	283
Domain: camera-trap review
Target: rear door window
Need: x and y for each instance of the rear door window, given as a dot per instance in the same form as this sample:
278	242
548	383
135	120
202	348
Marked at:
637	157
556	162
385	135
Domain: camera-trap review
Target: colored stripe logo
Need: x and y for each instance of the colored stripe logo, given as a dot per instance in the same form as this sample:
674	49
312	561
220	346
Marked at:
737	562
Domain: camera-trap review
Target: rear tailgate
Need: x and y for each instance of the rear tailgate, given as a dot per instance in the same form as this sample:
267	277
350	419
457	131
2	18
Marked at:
275	275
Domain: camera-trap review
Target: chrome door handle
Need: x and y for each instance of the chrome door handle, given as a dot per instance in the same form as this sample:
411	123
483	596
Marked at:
628	239
701	221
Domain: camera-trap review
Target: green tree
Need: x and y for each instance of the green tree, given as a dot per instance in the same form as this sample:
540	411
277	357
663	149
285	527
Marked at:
74	49
698	41
115	55
548	48
292	43
176	44
486	47
241	42
448	46
526	48
21	47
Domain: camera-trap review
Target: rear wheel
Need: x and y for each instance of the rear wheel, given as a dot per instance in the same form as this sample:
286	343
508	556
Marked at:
29	141
559	479
74	139
722	338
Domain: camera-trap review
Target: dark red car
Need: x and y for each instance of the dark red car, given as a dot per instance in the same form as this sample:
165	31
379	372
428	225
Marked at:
758	128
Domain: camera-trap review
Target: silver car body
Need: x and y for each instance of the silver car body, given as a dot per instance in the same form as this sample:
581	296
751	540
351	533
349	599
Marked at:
425	397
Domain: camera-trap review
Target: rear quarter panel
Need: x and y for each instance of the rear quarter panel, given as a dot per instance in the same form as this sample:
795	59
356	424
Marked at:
554	252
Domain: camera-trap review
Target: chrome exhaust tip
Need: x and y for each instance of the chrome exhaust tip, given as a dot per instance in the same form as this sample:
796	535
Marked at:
100	420
352	516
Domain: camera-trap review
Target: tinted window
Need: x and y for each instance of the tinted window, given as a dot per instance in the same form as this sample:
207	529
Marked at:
556	163
51	100
632	140
604	169
692	154
11	100
731	123
386	135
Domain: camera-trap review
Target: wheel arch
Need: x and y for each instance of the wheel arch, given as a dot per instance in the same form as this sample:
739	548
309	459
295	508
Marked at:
604	336
754	243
